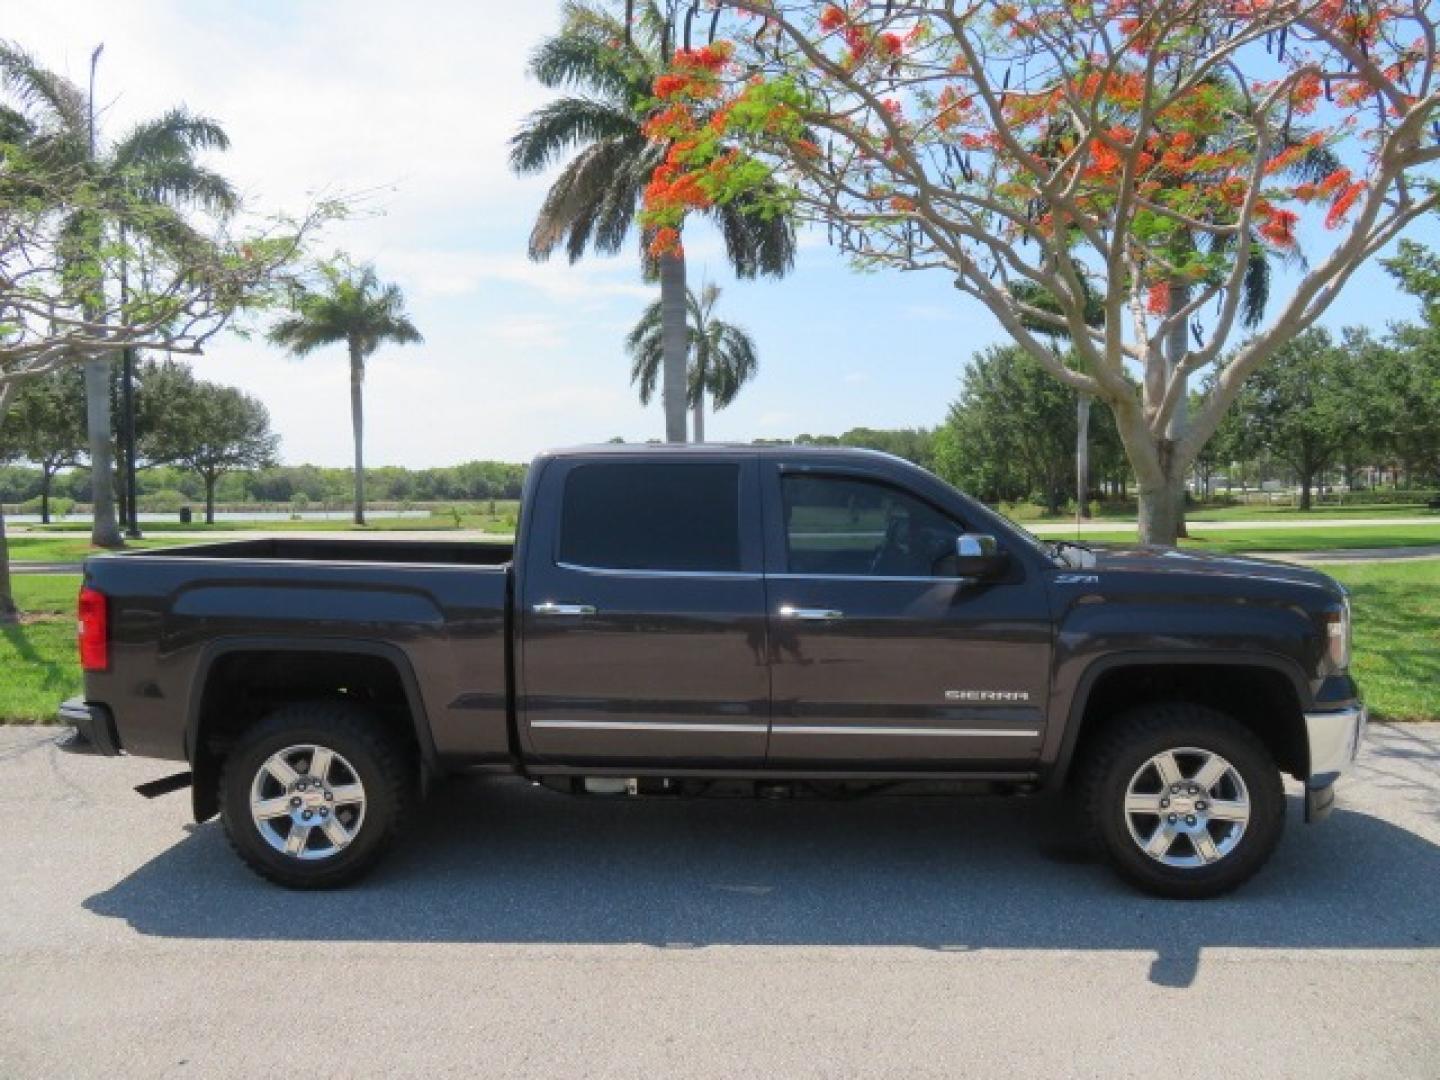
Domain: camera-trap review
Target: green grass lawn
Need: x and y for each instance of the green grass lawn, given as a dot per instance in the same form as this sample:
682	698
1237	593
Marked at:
38	666
69	548
1397	642
1261	512
464	516
1397	636
1261	541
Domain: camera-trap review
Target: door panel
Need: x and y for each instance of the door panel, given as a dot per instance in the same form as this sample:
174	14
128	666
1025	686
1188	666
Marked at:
898	678
887	669
649	664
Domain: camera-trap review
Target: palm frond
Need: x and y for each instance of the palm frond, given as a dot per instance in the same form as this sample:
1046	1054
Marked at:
560	126
576	200
755	242
355	308
734	362
179	182
302	334
59	102
582	61
178	134
1255	293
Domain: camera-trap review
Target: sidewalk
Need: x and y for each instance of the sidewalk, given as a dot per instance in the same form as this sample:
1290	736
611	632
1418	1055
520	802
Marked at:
1069	528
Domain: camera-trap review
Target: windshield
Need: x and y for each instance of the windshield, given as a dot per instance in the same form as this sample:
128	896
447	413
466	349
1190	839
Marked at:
1069	553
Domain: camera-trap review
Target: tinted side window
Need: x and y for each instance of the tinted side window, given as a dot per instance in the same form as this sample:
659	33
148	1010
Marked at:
835	525
642	516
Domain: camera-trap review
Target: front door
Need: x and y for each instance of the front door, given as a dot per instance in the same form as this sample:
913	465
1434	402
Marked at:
642	619
882	661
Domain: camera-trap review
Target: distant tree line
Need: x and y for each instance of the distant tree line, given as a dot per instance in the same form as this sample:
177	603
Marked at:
200	429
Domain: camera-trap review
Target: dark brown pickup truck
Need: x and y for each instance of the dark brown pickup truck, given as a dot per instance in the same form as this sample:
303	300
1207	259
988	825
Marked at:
681	621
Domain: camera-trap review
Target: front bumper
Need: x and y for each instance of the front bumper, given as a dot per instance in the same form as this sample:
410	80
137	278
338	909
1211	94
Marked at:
94	729
1334	738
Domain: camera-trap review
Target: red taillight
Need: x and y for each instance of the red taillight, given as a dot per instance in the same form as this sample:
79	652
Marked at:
94	630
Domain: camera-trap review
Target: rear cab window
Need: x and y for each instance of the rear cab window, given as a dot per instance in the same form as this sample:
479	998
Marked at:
639	515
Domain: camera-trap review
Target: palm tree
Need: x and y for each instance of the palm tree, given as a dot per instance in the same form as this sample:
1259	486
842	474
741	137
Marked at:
609	64
142	181
722	355
355	309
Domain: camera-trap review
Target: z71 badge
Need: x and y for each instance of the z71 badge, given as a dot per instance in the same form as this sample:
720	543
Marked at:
1077	579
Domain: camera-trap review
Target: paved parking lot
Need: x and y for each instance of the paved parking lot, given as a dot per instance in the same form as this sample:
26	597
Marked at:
525	933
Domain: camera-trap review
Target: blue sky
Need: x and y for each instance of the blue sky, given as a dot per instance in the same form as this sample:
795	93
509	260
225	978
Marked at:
412	104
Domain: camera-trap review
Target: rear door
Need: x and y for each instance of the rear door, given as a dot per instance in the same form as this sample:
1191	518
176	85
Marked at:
880	660
642	615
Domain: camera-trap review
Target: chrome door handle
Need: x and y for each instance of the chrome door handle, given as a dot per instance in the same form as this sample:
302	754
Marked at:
811	614
551	608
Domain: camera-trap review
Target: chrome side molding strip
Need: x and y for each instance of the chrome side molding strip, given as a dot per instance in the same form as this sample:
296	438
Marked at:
826	729
647	725
778	729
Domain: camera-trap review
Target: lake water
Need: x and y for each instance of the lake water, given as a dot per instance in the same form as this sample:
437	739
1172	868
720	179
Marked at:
242	515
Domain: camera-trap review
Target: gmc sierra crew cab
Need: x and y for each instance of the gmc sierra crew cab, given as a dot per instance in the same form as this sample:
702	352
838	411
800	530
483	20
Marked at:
677	621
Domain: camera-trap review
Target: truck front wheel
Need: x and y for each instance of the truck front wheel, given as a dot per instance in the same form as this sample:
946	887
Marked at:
1184	801
314	793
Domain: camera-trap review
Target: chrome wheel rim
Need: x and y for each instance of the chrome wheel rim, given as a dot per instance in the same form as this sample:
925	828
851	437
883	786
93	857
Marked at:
1187	807
307	802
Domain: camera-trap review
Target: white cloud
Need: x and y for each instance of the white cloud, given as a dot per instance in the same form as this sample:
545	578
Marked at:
456	273
530	332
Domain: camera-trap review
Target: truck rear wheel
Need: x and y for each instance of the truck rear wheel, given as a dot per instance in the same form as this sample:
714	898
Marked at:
314	793
1184	801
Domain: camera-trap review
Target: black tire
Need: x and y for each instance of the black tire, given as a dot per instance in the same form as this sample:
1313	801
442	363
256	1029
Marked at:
1124	749
379	760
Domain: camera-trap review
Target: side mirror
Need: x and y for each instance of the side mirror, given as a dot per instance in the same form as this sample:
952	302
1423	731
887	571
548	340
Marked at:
977	555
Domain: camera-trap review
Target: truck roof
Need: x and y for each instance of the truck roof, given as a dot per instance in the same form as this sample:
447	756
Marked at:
762	450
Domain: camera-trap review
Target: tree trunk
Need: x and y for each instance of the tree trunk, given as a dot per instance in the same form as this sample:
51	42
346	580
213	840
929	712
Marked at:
210	499
122	504
46	475
675	338
698	412
357	422
128	482
1305	485
106	531
1082	455
1177	344
9	614
1162	511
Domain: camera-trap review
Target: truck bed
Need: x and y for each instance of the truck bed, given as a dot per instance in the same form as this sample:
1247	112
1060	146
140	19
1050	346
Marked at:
310	549
433	611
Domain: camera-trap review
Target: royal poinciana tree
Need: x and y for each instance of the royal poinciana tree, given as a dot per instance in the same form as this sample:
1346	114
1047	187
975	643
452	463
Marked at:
1140	150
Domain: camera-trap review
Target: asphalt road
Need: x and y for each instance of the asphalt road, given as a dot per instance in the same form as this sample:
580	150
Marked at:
523	933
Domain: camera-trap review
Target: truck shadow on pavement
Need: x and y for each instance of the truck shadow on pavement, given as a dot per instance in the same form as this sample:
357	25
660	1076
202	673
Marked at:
501	862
